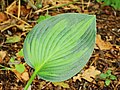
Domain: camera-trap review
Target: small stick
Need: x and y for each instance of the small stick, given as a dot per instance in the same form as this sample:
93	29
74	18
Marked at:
10	6
7	27
19	9
2	4
18	18
83	5
88	4
32	5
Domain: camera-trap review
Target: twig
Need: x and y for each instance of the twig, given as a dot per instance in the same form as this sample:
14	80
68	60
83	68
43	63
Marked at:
116	34
5	68
83	5
7	27
3	4
19	9
10	6
88	4
32	5
5	22
17	18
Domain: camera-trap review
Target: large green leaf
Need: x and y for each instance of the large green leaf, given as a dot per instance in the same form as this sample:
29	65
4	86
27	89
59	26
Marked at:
60	46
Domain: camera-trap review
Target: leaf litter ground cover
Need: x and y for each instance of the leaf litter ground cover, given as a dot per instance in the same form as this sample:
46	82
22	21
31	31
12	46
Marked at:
105	55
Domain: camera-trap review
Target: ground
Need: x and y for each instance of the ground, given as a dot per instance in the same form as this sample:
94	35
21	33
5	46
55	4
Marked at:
17	18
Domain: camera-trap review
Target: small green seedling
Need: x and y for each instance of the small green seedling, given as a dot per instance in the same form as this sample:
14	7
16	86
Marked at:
114	3
108	77
14	65
60	46
41	18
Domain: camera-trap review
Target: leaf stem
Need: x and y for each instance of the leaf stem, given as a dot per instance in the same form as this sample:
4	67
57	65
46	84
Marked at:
31	79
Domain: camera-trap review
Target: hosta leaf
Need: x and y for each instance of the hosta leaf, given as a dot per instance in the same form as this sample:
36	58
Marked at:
60	46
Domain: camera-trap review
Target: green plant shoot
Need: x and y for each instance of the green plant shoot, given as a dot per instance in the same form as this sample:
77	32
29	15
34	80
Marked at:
107	77
114	3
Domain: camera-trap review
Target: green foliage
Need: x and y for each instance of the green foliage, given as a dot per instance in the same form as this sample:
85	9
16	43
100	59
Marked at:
114	3
39	3
12	59
60	46
41	18
108	77
20	68
13	39
107	82
14	66
112	77
20	53
108	72
103	76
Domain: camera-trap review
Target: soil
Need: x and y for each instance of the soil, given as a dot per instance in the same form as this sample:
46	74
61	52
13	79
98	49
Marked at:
103	57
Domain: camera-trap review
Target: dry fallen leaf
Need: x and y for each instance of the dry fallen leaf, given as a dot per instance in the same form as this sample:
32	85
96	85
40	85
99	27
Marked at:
13	8
78	77
42	83
89	74
62	84
24	11
2	55
25	76
103	45
17	74
3	17
102	84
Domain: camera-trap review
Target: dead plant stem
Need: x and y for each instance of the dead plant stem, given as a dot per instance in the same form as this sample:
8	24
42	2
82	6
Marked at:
19	9
17	18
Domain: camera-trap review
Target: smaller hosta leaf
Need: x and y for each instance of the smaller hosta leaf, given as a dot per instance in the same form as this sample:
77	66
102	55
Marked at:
107	82
20	68
103	76
108	72
113	77
13	39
